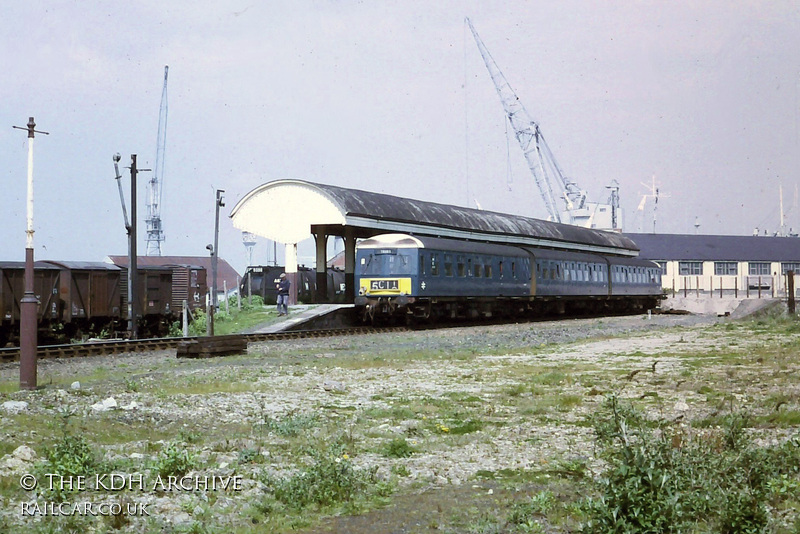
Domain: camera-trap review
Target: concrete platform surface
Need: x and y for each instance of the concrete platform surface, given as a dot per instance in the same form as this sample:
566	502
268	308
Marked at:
303	316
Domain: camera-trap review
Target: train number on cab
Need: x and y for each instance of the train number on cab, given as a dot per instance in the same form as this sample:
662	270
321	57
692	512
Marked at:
383	285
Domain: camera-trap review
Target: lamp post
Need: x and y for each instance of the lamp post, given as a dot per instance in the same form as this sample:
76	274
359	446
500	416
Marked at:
29	302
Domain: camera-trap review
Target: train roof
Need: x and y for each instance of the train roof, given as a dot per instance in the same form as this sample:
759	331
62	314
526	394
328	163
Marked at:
438	243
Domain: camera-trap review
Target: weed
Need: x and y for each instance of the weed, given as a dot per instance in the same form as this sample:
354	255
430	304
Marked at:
291	425
249	456
668	481
174	460
466	427
331	479
523	515
398	448
71	456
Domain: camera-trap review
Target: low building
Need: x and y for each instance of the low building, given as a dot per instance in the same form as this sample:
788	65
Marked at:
706	263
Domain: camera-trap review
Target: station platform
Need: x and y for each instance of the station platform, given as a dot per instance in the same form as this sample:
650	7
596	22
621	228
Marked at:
304	316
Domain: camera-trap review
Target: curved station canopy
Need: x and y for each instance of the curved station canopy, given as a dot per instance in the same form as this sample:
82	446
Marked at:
288	211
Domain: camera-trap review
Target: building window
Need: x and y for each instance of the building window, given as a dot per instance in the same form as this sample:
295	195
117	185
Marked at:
759	268
725	268
790	266
687	268
663	266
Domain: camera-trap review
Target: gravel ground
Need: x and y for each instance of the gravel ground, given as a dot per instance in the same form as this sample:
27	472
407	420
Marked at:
480	370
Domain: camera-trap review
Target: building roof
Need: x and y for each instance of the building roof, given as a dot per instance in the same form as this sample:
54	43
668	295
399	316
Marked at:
286	210
226	275
669	247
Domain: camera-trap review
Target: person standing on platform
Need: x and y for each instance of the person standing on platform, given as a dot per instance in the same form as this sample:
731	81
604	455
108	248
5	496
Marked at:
283	295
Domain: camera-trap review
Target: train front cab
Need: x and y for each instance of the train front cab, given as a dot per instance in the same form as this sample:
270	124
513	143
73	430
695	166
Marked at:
385	276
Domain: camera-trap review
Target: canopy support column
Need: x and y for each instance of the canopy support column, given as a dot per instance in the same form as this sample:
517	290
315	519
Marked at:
349	264
321	238
291	271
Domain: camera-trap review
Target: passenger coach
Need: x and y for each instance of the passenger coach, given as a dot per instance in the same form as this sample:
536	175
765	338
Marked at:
400	275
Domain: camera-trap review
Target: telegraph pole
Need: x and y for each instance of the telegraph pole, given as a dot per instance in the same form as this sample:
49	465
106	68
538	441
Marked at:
219	203
29	303
133	271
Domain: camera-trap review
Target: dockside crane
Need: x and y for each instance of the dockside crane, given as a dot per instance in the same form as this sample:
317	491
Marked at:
155	231
546	172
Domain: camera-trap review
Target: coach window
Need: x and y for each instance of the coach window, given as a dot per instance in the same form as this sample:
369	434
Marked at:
434	265
448	265
514	270
500	268
460	264
469	267
478	270
487	269
421	264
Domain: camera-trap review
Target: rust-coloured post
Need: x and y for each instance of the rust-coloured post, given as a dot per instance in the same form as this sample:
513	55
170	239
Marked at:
736	287
720	287
29	303
790	289
711	286
697	286
759	286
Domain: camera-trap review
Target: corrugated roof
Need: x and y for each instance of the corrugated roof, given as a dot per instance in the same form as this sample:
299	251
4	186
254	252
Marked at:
285	210
687	247
367	204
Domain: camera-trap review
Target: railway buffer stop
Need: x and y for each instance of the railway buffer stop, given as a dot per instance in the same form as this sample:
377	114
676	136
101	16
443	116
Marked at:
289	211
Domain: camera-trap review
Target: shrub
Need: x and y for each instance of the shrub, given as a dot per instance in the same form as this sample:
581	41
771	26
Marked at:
330	479
70	456
174	460
662	480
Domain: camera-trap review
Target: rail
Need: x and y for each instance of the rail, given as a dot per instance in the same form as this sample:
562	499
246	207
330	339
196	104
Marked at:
106	348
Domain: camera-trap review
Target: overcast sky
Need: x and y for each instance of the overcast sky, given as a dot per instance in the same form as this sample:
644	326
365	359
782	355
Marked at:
393	97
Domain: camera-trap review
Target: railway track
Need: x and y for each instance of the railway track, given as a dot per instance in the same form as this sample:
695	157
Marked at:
106	348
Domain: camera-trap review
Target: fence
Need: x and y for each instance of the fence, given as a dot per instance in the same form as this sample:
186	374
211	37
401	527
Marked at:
721	286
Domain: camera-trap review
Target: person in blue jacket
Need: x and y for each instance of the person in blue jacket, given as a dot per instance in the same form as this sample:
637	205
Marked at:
283	295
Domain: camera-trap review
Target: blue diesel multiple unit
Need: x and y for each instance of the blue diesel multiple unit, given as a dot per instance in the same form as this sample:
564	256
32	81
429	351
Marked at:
429	277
